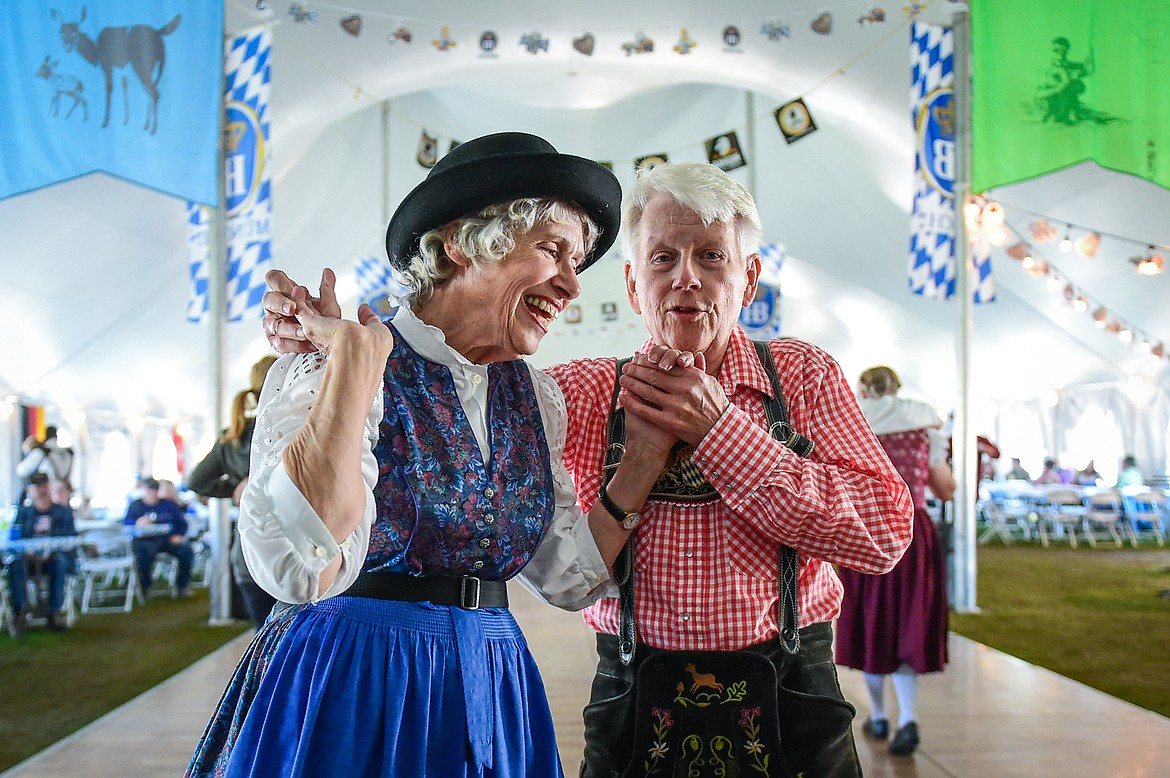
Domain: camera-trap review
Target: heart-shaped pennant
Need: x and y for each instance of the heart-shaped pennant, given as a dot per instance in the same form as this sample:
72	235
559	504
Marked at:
823	24
352	25
584	44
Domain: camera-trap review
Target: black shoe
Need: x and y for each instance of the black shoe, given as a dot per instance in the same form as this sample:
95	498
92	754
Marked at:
905	740
878	729
53	624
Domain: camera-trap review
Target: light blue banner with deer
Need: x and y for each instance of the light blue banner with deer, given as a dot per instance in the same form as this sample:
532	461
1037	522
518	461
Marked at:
125	87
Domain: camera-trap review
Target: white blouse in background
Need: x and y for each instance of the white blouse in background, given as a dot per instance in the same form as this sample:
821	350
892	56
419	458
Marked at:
889	414
286	544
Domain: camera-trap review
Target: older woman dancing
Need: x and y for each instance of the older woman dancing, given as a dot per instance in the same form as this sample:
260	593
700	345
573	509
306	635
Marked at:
406	469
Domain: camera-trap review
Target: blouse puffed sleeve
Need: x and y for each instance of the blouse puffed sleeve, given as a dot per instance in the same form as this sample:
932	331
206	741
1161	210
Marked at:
567	569
285	542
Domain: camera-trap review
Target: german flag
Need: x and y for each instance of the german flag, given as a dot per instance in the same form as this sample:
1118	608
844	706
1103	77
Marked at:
32	421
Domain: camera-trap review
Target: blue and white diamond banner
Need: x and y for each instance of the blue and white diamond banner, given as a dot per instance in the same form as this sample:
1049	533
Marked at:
761	318
198	251
984	281
247	187
378	287
932	109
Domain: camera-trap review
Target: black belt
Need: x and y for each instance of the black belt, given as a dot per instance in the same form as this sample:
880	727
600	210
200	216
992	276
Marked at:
468	592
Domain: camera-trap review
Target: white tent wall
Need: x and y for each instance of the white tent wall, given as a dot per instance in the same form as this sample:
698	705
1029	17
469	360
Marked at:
94	292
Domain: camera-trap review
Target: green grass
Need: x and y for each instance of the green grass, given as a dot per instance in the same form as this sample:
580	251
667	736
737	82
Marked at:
55	683
1094	615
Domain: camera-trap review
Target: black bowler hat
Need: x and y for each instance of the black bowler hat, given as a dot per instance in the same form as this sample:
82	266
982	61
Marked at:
497	169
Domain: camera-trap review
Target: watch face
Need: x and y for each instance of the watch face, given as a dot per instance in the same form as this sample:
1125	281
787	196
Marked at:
632	520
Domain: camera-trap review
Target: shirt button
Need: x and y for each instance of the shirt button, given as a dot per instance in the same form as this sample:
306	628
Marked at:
318	552
485	542
477	379
489	492
489	518
688	553
477	565
686	617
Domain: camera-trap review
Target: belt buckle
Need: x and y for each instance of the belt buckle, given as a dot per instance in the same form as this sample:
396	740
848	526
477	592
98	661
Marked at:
469	600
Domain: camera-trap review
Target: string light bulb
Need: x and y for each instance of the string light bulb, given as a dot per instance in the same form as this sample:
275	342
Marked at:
1066	241
993	215
1080	305
1151	264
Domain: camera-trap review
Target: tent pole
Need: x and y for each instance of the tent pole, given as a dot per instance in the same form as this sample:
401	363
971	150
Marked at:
749	106
220	525
963	439
385	162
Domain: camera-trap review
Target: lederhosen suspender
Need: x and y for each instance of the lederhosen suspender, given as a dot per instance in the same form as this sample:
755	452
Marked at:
787	603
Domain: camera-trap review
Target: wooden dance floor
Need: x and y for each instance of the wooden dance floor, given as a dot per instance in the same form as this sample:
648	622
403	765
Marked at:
988	715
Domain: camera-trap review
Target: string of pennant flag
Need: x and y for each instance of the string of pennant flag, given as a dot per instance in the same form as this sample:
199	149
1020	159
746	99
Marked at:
410	31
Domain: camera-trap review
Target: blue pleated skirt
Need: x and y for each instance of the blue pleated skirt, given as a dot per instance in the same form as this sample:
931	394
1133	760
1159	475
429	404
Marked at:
362	687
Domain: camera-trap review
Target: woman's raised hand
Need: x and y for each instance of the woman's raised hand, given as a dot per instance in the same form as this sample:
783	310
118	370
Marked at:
329	334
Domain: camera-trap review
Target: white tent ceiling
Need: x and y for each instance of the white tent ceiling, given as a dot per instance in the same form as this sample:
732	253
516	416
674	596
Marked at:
93	297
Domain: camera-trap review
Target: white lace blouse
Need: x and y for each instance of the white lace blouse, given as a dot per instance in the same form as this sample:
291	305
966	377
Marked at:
286	544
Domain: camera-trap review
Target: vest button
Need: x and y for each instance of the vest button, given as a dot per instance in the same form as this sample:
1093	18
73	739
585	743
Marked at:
478	565
489	518
485	542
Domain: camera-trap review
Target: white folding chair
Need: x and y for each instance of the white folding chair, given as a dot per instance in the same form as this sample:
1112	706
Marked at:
110	576
1103	516
1061	510
7	616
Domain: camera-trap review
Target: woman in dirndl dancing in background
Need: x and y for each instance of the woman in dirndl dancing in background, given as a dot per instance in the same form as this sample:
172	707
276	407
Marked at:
402	473
895	625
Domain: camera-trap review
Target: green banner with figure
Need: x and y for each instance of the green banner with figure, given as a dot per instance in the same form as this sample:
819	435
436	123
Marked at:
1055	83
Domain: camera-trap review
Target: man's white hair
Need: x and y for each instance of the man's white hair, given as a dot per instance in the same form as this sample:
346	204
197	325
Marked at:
699	187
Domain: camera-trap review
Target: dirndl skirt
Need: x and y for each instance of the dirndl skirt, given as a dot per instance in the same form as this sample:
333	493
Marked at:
214	748
365	687
900	617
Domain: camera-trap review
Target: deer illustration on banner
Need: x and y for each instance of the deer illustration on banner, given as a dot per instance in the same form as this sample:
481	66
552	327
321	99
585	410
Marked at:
156	66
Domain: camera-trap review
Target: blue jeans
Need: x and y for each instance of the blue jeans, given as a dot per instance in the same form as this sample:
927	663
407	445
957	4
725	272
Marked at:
54	568
146	549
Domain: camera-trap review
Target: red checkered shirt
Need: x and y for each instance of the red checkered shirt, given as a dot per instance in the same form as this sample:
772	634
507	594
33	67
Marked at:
707	573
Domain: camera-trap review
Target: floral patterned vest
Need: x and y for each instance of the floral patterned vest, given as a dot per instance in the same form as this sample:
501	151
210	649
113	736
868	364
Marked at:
442	510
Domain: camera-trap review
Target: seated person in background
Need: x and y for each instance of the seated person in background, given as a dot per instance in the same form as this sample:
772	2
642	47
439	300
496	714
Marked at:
1130	475
41	517
1051	474
168	491
1018	473
1089	476
149	510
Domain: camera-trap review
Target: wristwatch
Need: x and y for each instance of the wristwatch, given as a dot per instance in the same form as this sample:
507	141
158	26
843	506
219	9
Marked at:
628	520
